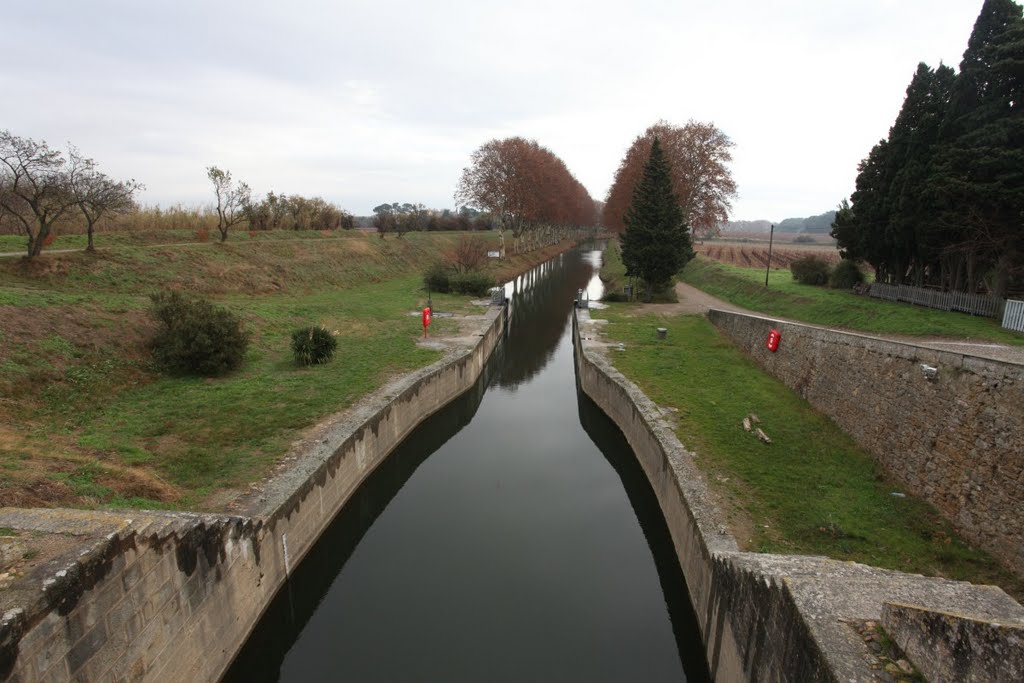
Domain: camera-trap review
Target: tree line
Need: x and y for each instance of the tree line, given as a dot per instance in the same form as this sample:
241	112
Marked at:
940	201
400	218
528	190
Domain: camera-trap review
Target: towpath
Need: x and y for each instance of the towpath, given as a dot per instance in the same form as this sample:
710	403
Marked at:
694	301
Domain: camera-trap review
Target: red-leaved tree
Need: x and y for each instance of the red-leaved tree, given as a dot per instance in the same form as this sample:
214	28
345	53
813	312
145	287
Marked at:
699	154
528	189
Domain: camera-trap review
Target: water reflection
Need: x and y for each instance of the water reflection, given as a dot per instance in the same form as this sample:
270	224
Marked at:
614	447
496	544
289	612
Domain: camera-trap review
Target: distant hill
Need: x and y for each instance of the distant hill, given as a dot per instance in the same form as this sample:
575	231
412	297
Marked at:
747	226
814	225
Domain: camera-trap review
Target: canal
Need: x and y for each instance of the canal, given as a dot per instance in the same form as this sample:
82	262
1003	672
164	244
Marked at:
511	537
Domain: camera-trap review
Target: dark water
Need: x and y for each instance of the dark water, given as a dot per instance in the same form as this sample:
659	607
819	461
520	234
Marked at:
512	537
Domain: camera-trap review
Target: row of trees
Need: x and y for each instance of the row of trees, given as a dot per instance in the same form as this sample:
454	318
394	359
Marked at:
940	202
40	186
402	218
295	212
698	155
527	189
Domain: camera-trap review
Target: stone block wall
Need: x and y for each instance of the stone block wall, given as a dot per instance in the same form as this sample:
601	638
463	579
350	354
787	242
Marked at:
955	439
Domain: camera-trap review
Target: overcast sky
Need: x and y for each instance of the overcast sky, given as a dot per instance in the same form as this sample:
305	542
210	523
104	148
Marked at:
364	102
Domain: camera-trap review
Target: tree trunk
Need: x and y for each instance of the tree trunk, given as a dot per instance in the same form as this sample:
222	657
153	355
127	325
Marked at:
88	231
35	246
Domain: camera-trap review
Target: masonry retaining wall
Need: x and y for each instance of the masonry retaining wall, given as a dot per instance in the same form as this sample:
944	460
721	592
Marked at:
955	439
762	617
173	596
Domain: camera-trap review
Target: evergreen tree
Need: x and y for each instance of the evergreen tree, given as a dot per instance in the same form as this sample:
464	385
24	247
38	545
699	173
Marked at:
976	181
656	243
860	229
909	243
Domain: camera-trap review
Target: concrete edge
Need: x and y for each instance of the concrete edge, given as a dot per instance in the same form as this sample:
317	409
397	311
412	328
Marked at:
309	458
101	540
945	646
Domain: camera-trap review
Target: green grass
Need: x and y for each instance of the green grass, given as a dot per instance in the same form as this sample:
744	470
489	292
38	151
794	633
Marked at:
81	389
207	434
786	298
813	490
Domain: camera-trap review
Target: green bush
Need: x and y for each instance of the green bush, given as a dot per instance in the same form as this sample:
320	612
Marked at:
810	270
436	279
313	345
196	337
845	275
474	284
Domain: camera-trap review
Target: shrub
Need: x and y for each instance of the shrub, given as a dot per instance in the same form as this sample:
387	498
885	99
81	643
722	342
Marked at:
196	337
810	270
474	284
203	235
803	239
469	255
436	279
846	275
313	345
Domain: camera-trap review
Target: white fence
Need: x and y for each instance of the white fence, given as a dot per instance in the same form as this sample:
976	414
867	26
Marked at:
975	304
1013	317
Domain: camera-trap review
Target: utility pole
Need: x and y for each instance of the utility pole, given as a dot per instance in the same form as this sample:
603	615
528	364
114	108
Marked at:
768	268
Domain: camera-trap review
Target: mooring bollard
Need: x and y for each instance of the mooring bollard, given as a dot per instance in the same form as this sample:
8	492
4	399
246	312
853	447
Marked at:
662	332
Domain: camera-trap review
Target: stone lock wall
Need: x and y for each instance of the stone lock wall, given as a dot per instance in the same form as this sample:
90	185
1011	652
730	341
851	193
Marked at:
150	596
764	617
955	439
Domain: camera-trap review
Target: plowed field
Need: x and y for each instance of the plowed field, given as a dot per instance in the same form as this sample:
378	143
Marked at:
756	255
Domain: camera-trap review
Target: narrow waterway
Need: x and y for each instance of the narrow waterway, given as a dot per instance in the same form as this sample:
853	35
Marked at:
512	537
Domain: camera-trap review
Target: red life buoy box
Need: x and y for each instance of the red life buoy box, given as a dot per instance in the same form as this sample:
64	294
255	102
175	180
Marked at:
773	340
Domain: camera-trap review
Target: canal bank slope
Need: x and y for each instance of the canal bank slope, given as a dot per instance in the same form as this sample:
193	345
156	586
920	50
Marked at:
138	595
777	617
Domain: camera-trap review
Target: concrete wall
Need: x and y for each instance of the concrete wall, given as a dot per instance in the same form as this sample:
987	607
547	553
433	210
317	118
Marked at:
761	617
956	440
172	597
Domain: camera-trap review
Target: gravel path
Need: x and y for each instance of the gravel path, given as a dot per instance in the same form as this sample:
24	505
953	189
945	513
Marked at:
694	301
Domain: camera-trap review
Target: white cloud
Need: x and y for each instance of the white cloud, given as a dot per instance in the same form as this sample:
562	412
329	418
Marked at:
368	101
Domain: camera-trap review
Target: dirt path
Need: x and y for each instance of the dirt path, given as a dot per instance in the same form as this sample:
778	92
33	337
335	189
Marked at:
693	301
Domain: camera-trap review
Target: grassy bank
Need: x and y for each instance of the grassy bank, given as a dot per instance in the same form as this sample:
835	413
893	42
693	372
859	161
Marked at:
813	490
87	421
786	298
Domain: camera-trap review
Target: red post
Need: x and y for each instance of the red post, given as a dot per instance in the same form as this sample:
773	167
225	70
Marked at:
426	320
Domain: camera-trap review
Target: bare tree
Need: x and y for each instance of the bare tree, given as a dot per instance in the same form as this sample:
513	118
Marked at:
97	194
232	200
35	187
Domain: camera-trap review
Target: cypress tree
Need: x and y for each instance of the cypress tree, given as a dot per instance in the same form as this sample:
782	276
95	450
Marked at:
908	239
860	229
656	243
976	180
